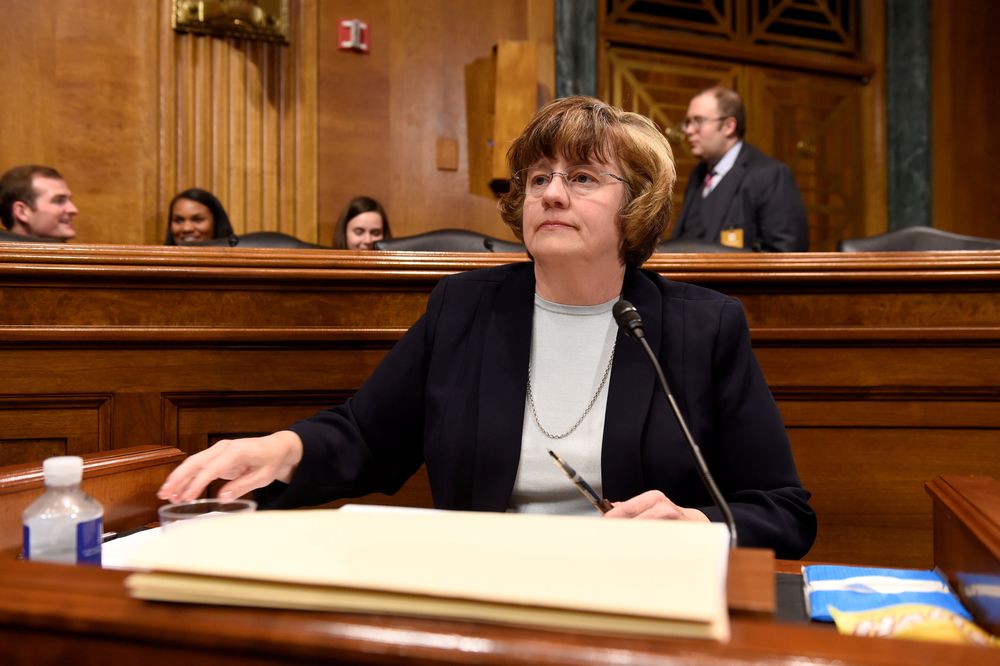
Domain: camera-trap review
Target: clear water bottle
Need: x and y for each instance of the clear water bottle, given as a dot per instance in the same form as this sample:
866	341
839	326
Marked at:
65	524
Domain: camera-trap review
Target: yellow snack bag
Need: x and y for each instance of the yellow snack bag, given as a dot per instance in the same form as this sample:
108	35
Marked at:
913	621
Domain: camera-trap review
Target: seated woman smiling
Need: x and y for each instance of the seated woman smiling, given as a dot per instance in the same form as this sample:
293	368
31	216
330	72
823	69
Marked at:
196	215
511	361
361	225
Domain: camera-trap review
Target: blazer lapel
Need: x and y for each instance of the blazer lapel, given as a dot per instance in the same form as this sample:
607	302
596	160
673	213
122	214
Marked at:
502	390
692	190
715	207
633	382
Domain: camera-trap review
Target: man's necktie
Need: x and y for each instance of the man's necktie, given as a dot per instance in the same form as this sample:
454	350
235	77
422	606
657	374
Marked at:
707	183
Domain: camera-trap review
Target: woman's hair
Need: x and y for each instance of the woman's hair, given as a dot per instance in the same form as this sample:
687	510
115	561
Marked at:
355	207
581	129
221	228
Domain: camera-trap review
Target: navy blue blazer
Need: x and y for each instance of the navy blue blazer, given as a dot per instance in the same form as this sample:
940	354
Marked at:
451	394
758	195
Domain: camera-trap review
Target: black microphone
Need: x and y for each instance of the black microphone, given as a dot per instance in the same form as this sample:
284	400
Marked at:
630	323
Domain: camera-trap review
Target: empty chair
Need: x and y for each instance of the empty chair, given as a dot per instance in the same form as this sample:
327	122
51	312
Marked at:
258	239
274	239
917	239
689	245
449	240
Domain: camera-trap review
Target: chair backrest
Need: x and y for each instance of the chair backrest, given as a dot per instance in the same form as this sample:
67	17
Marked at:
274	239
448	240
259	239
917	239
689	245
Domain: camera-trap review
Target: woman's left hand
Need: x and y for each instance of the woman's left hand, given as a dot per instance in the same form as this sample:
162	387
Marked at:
654	505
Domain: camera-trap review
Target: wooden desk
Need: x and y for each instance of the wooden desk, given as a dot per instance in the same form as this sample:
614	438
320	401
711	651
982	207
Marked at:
52	614
885	366
967	542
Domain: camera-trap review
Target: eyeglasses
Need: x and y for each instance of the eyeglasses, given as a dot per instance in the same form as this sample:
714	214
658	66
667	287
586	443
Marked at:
698	121
581	180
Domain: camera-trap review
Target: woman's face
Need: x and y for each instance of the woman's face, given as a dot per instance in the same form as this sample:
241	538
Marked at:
363	230
571	219
191	222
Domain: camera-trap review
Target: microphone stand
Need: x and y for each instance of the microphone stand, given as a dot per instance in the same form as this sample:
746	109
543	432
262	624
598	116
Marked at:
631	323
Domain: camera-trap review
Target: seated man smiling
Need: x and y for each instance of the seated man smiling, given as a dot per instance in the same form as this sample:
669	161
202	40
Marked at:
36	203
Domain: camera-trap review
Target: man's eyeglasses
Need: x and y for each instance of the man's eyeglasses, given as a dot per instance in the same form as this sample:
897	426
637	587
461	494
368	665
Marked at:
697	121
581	180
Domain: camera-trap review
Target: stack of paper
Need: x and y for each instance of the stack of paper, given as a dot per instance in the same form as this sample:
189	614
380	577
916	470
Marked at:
582	573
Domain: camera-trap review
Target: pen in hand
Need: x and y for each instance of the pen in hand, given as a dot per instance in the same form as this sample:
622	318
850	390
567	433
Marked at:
600	503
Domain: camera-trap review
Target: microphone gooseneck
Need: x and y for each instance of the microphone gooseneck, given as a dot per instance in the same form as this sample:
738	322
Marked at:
630	323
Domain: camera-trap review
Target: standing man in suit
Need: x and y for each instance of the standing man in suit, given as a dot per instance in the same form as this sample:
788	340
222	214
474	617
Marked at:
737	196
35	202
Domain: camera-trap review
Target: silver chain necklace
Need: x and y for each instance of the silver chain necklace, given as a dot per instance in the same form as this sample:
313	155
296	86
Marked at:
590	406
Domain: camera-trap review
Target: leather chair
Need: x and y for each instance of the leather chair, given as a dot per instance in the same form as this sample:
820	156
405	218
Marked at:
689	245
917	239
274	239
260	239
448	240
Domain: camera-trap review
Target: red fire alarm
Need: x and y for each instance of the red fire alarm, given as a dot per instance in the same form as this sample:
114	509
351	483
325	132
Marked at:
353	35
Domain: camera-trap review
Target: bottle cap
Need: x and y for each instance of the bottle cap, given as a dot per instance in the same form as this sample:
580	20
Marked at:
63	470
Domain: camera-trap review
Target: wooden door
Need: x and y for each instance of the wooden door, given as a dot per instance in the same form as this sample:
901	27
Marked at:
812	123
809	121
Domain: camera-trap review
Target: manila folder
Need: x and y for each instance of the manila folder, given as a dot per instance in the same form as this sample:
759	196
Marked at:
647	577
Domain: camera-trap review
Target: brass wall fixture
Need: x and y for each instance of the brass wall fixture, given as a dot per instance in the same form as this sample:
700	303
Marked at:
674	135
265	20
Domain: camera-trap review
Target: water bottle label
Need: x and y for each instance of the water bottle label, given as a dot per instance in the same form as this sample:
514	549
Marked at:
26	542
88	541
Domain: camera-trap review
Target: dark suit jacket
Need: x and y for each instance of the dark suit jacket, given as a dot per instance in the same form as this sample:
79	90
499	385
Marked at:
758	195
451	394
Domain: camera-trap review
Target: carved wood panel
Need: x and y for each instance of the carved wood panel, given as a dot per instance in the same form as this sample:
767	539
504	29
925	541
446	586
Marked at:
239	119
659	87
819	25
812	124
867	479
194	421
36	426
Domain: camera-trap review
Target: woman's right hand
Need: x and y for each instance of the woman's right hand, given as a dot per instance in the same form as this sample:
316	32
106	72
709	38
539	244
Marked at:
247	464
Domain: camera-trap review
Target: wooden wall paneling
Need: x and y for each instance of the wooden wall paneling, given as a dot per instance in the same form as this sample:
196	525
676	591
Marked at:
964	69
36	426
137	416
516	98
480	78
167	168
80	85
24	135
353	115
867	478
434	198
243	120
298	198
541	26
381	114
873	121
193	421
